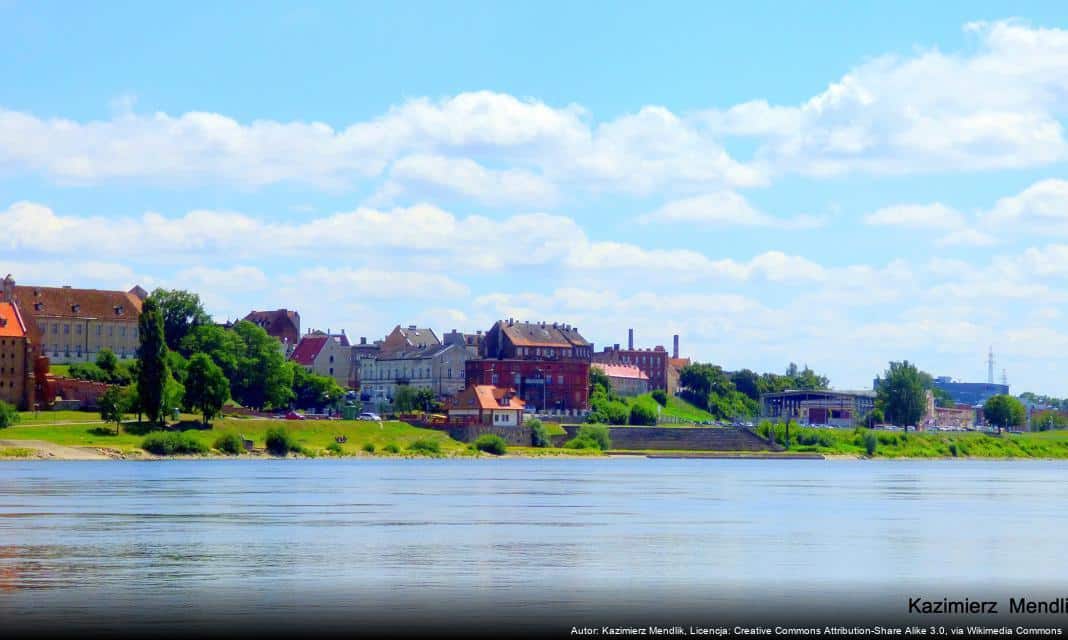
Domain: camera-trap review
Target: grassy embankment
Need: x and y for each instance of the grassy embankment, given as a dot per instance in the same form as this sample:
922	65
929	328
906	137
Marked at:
679	408
84	429
896	444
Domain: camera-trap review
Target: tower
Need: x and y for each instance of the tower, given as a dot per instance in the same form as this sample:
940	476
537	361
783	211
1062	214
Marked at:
990	366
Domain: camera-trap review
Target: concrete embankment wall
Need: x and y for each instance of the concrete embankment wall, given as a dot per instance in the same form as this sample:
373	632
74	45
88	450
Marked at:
680	438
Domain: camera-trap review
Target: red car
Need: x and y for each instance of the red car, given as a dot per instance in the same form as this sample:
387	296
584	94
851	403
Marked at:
293	415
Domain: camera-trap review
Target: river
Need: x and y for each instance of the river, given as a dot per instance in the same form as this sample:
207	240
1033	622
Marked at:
391	540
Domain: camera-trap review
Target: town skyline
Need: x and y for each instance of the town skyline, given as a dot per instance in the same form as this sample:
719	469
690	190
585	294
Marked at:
902	199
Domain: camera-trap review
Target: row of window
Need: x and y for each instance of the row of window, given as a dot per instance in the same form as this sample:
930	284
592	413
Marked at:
43	328
77	351
371	373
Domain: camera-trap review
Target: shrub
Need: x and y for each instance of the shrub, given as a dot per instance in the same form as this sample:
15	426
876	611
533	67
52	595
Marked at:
229	443
391	448
8	415
280	442
660	396
591	436
429	447
871	442
335	448
171	443
540	433
953	449
491	443
642	413
369	447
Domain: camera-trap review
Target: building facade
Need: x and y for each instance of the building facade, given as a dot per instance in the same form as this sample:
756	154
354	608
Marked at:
655	362
325	354
439	368
818	407
486	405
16	358
970	393
362	350
74	325
282	324
626	379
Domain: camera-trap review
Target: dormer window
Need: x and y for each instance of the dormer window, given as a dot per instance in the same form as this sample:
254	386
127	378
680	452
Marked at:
37	306
75	308
118	309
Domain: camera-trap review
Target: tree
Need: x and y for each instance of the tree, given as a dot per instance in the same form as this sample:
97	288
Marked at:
598	378
425	400
107	361
941	397
225	347
808	379
405	399
311	391
182	312
642	413
703	380
901	394
152	357
747	382
1004	411
8	415
261	377
111	407
206	388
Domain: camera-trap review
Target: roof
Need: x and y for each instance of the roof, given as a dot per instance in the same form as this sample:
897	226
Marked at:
66	302
629	371
487	396
410	337
415	354
11	325
275	320
825	392
542	334
311	345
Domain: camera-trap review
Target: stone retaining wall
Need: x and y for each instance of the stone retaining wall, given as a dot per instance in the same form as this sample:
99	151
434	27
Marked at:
680	438
522	436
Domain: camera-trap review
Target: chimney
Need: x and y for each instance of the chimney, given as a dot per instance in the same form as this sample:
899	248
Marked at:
9	288
615	347
363	340
630	339
675	349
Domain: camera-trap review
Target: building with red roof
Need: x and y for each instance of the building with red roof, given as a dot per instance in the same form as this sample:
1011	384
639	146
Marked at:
487	405
16	358
626	379
325	354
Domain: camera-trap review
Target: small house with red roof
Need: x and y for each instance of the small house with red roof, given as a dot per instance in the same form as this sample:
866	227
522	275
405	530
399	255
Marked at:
325	354
487	405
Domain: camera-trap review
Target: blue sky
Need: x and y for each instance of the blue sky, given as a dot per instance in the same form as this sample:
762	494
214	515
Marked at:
838	184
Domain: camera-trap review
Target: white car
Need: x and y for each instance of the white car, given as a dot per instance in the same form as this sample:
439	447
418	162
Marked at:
370	417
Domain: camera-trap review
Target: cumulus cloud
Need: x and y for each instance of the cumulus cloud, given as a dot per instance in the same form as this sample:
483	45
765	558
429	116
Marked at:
916	216
726	209
1041	208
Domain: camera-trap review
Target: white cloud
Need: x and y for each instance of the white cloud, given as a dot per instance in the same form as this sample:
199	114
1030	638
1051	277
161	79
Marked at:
916	216
723	208
966	238
1040	208
432	176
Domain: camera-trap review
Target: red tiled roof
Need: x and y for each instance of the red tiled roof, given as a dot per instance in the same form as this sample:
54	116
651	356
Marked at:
308	349
64	302
536	334
11	325
621	371
487	396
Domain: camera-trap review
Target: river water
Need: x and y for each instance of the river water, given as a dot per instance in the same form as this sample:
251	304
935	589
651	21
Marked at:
395	539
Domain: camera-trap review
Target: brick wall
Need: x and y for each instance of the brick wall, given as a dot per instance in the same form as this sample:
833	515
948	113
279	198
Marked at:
87	393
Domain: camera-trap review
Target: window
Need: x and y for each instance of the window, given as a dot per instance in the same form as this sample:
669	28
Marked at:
55	329
78	329
122	331
111	331
331	371
559	379
66	329
99	330
331	362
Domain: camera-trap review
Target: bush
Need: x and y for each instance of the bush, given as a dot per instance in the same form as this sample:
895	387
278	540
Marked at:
491	443
427	447
391	448
643	414
953	449
229	443
335	448
591	436
540	433
8	415
871	443
369	447
660	396
171	443
280	442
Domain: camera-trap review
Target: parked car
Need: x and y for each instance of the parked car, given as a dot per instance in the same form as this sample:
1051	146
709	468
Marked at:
367	415
293	415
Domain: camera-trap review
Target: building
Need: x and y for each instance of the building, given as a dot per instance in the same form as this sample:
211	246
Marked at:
325	354
960	416
282	324
547	363
408	338
626	379
437	367
471	341
654	362
816	407
970	393
16	358
74	325
486	405
360	352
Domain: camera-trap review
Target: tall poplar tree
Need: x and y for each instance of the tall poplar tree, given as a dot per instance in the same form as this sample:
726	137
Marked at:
152	372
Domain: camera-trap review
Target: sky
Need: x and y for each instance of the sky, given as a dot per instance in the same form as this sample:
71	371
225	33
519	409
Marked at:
832	184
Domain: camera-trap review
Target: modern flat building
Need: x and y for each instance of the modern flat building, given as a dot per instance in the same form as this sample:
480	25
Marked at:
970	393
74	325
810	407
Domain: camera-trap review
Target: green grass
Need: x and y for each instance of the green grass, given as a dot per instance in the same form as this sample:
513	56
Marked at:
315	435
897	444
59	370
49	417
15	452
679	408
555	428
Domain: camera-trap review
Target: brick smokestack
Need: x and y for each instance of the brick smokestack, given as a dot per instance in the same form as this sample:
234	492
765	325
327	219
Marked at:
630	339
675	349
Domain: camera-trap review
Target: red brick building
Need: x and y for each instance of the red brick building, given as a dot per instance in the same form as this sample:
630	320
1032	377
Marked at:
280	323
547	363
655	362
16	374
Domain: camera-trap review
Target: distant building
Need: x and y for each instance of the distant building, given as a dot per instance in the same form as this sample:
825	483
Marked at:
654	362
960	416
470	341
487	405
282	324
970	393
547	363
325	354
74	325
626	379
437	367
408	338
810	407
361	351
16	358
